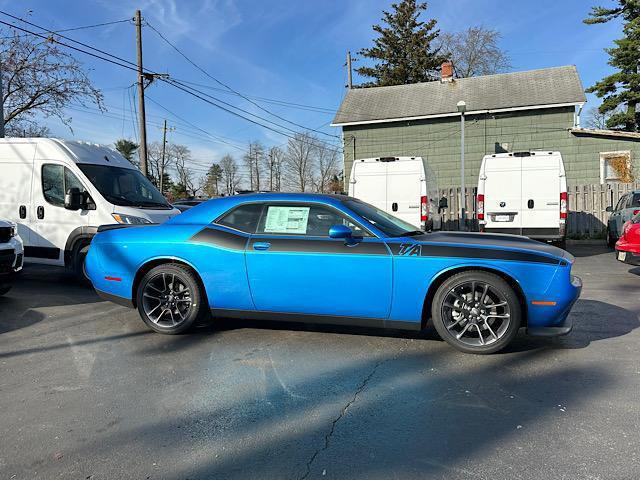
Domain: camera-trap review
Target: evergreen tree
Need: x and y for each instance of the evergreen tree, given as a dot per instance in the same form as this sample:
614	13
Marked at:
127	148
212	180
622	88
404	51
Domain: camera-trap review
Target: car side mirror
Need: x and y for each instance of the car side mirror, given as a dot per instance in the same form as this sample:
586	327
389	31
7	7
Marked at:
73	199
442	204
609	209
341	232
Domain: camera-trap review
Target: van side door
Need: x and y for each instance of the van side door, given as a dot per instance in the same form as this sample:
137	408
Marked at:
53	223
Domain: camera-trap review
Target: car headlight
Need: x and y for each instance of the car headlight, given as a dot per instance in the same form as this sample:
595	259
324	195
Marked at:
13	232
129	219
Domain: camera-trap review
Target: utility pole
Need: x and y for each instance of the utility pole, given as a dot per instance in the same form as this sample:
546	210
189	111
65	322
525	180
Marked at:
164	146
349	79
143	117
462	108
1	104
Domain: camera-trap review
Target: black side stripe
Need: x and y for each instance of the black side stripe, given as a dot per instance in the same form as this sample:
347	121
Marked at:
220	238
422	250
321	246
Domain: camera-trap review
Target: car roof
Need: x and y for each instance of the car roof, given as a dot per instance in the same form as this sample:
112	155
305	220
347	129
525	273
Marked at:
211	209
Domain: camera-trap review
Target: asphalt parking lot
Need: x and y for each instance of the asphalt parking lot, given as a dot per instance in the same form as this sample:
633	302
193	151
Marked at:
87	392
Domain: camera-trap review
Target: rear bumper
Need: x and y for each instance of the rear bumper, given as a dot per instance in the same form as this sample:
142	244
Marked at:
535	233
628	257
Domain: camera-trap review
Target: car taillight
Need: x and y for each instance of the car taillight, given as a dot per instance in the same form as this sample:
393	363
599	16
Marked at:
424	215
480	206
563	205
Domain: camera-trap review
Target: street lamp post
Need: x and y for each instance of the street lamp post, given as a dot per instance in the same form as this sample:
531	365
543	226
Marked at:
462	107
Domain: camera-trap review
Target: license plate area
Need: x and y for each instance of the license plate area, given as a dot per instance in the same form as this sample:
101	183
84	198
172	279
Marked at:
502	216
622	256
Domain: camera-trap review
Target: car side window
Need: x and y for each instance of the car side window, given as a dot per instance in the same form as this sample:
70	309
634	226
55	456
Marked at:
634	200
244	218
304	219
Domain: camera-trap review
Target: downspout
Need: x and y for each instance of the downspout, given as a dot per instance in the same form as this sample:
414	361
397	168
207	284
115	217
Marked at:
576	117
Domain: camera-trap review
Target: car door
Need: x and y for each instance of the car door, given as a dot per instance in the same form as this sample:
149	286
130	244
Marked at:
293	266
53	223
632	206
616	215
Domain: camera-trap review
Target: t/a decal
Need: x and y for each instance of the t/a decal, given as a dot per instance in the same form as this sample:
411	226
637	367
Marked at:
410	249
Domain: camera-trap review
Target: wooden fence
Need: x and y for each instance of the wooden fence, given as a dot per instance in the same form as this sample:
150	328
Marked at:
587	204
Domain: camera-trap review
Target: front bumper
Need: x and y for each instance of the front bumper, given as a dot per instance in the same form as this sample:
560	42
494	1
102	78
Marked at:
552	321
628	257
11	258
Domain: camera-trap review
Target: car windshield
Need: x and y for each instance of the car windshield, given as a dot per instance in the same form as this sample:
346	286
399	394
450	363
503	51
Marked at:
124	186
390	225
635	200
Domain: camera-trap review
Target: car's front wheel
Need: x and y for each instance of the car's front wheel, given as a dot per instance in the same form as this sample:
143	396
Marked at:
476	312
169	299
611	240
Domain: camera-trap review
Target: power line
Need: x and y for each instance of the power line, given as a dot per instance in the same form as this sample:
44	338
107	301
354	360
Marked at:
57	32
131	66
231	89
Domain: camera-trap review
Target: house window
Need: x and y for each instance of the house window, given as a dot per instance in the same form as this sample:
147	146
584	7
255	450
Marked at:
616	167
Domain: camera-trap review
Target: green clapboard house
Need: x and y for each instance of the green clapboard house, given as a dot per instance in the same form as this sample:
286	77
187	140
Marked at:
512	112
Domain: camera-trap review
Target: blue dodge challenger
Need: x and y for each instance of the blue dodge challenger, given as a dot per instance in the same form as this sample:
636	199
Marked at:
333	259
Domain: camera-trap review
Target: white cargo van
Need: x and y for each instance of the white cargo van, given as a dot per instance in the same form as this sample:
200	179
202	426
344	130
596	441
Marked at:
405	187
524	193
59	192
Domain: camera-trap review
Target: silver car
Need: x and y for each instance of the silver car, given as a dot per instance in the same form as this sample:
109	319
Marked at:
625	209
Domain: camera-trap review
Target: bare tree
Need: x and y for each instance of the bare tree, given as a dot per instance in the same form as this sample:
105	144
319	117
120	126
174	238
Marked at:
40	80
182	156
596	119
273	161
253	159
475	51
299	160
230	177
326	169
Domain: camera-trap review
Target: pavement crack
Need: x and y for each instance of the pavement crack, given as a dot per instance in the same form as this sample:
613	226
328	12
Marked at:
342	413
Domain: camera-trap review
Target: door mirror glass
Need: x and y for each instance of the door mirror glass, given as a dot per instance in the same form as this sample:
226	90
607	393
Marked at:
73	199
609	209
340	231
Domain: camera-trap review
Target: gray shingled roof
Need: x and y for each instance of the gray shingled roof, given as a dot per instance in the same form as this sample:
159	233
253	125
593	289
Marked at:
548	86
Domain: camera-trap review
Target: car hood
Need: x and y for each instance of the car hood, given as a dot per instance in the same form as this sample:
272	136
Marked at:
492	240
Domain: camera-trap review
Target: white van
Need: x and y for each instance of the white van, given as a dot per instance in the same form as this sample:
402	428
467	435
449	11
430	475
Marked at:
524	193
405	187
59	192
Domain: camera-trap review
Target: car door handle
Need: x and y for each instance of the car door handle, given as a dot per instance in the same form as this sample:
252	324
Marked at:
22	211
394	206
40	212
261	246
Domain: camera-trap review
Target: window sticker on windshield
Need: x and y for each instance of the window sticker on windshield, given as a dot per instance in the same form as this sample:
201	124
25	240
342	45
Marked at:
287	220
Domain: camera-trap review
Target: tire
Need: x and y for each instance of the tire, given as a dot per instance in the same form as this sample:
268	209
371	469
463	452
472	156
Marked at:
180	308
611	240
4	289
79	255
476	327
561	244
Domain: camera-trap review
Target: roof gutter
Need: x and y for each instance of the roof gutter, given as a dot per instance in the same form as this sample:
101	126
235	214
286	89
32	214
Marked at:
456	114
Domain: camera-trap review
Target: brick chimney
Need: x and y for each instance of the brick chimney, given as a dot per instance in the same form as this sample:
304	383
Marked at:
446	72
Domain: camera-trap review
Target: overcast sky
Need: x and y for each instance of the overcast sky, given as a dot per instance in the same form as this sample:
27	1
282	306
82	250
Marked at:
291	51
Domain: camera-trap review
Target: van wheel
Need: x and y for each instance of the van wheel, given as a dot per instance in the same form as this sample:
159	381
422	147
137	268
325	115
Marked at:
476	312
561	244
4	289
78	257
170	299
611	241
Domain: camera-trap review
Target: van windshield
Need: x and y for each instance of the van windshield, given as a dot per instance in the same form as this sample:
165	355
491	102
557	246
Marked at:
390	225
124	186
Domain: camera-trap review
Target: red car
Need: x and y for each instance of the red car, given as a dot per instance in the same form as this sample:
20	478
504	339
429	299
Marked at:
628	245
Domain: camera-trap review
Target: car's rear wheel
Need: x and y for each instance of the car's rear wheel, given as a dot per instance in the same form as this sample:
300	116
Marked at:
476	312
170	299
611	240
